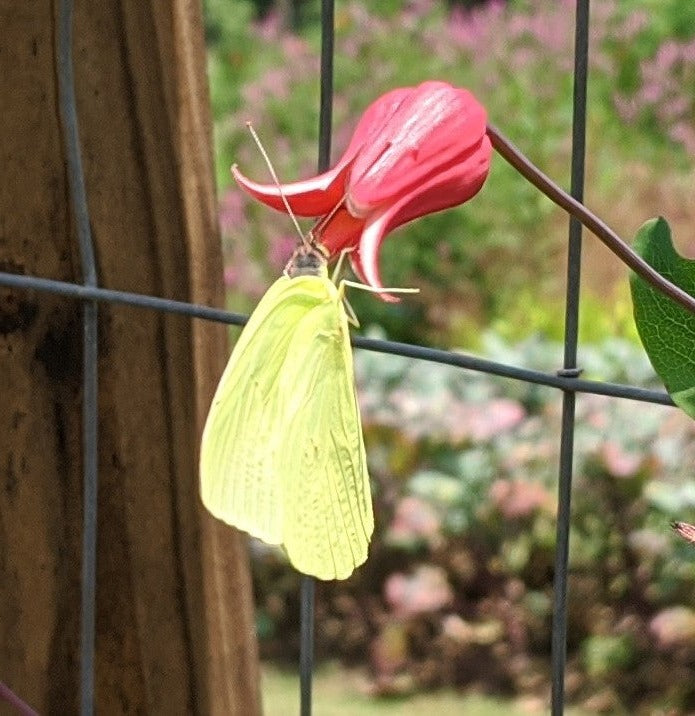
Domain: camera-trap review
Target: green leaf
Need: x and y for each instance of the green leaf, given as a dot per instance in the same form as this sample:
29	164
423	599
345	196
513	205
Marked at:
667	330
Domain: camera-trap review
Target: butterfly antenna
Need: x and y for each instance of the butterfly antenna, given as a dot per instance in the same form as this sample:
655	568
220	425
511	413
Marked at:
269	164
325	219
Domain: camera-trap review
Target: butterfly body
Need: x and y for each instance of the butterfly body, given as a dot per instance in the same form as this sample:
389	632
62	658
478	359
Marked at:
282	454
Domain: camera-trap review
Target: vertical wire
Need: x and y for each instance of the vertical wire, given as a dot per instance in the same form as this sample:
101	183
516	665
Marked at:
559	632
306	645
68	112
326	83
308	584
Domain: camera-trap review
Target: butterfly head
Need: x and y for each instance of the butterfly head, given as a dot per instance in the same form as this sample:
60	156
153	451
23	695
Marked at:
308	259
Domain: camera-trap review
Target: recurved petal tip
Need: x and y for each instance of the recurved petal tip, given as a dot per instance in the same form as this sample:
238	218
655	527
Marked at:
365	260
311	197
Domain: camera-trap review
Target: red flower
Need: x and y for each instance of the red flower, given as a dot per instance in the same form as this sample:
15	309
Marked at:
416	150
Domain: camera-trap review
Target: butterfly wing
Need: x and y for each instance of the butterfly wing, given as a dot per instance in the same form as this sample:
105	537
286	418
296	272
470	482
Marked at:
282	454
329	518
239	483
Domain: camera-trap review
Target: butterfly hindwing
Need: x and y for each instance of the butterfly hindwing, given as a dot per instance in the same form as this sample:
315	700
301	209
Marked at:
329	507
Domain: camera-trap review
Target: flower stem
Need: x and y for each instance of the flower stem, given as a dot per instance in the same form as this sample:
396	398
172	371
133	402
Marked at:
560	197
6	694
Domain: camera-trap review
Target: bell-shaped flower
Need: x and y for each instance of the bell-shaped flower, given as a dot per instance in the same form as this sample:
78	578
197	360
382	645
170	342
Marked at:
415	150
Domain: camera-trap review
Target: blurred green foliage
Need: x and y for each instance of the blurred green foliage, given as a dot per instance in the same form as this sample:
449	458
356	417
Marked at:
500	257
340	693
458	586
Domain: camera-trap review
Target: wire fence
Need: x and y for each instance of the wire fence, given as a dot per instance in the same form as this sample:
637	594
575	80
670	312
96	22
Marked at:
567	379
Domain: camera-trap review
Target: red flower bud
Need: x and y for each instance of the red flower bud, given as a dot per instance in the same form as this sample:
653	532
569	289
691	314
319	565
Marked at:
416	150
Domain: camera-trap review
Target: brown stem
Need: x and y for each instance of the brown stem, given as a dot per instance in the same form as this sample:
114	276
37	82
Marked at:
13	700
511	154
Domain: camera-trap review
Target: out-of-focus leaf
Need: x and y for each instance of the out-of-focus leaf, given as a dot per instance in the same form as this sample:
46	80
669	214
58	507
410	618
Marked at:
671	499
667	330
439	488
605	654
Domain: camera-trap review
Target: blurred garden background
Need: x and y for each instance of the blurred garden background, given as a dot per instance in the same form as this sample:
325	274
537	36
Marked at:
457	591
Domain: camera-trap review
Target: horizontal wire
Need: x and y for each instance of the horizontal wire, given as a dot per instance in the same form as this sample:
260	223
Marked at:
406	350
526	375
106	295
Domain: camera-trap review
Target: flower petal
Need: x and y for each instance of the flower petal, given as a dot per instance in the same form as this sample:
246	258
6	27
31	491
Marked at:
311	197
433	128
452	187
341	231
320	194
365	260
449	188
374	118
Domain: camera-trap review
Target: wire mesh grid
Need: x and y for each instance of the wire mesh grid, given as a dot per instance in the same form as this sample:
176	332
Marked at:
567	379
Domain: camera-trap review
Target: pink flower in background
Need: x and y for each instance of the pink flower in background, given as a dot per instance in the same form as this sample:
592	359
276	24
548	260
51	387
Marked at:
416	150
231	211
426	590
280	249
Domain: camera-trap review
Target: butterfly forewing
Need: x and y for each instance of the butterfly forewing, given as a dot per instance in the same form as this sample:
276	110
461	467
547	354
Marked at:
243	431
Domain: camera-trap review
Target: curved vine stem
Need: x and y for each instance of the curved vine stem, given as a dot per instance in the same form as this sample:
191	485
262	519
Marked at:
560	197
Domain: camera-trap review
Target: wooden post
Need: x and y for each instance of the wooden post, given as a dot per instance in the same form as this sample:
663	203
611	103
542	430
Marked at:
175	631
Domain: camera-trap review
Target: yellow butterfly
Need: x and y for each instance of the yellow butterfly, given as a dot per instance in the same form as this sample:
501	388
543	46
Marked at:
282	453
